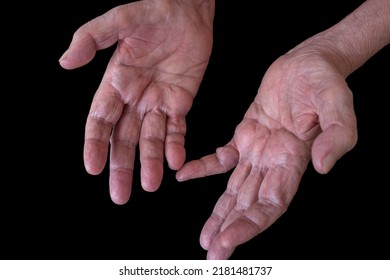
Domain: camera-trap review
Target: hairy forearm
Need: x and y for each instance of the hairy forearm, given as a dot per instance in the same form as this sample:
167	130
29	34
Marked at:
357	37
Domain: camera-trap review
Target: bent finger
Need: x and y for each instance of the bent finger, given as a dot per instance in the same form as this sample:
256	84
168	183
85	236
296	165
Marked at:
224	159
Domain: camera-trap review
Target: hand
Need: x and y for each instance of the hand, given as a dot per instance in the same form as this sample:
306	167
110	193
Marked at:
163	48
303	111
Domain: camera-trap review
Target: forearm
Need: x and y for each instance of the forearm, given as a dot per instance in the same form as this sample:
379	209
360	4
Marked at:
356	38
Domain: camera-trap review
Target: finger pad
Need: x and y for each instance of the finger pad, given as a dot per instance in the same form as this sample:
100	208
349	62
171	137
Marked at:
151	175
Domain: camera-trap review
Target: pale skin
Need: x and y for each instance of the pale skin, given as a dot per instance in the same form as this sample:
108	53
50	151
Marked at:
147	88
303	112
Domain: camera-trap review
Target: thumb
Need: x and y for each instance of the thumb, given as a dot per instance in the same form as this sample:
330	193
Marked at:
80	52
339	129
100	33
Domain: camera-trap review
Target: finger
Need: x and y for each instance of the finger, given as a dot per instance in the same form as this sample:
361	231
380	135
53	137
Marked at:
219	253
247	195
151	146
105	111
123	149
275	194
213	224
174	142
339	129
222	161
224	206
99	33
245	183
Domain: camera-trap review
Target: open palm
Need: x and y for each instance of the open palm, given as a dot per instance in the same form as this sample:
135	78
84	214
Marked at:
163	49
303	111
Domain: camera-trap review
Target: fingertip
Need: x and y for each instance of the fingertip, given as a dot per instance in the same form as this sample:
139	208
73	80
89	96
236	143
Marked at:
151	176
62	60
78	54
324	165
68	60
184	173
323	154
176	157
119	199
92	166
92	171
204	242
150	185
323	158
329	146
175	163
180	176
120	186
219	253
94	160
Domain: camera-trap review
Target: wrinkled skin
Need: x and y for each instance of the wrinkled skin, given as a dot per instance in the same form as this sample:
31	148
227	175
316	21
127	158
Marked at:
303	112
163	48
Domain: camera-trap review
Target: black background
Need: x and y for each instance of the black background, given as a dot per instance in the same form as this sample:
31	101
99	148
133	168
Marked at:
52	209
